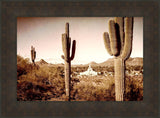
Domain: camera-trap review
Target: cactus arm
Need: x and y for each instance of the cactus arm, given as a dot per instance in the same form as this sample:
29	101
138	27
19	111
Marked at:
73	50
63	42
62	56
128	38
65	46
107	42
69	42
67	29
67	33
31	55
120	25
113	38
34	54
31	47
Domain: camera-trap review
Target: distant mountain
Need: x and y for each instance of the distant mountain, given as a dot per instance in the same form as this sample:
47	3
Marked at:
110	63
131	61
93	64
135	61
41	62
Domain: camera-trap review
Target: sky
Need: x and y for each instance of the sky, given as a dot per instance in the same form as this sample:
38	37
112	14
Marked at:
45	34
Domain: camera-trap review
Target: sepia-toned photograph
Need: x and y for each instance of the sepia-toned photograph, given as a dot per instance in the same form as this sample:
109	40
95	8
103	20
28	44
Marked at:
79	59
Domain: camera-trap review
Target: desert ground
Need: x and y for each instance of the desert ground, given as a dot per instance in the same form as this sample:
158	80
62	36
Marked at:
45	81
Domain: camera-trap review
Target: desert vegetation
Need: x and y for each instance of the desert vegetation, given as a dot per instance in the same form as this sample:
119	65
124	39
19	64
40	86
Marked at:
46	82
118	43
67	57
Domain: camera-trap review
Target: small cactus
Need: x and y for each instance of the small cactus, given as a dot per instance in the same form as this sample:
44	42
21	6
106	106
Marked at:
118	43
66	44
33	55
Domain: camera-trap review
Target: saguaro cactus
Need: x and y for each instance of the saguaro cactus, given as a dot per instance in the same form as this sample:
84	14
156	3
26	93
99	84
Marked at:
33	54
66	44
118	43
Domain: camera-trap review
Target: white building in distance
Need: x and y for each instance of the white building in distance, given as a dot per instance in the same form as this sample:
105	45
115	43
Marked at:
89	72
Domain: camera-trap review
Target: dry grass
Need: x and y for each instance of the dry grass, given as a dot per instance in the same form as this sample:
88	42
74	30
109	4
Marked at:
47	83
94	89
38	83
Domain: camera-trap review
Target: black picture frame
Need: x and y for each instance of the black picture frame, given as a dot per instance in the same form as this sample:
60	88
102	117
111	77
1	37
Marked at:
10	10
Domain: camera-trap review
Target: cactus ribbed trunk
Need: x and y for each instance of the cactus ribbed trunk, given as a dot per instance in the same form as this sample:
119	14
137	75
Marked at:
67	78
119	44
66	46
33	55
119	78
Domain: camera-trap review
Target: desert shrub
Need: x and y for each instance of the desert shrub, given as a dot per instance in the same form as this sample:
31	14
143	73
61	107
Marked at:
136	68
23	66
41	83
28	91
102	88
47	82
93	89
134	88
110	69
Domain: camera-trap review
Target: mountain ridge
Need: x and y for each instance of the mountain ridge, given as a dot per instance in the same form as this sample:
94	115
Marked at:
109	62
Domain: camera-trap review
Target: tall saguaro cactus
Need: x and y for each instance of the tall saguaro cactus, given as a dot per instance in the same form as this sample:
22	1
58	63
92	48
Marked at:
118	43
33	54
66	44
